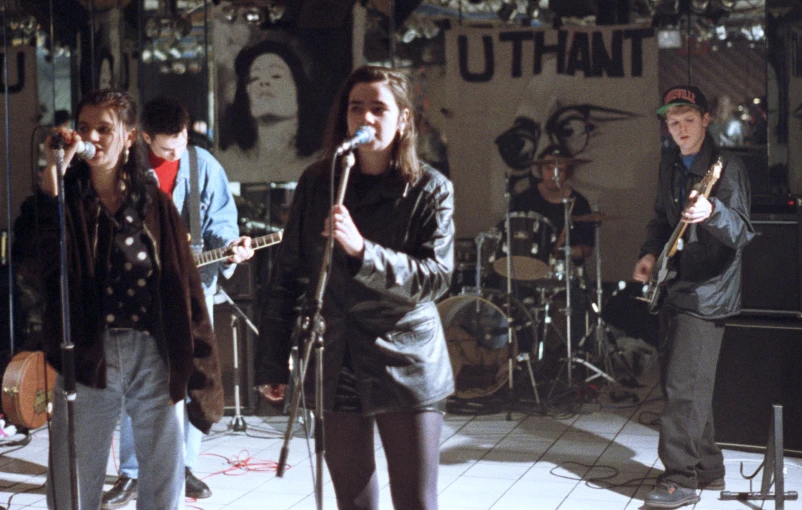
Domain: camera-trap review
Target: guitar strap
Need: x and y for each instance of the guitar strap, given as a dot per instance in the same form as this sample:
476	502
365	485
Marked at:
194	202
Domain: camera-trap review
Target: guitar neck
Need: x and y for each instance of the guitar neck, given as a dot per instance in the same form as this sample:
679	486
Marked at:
705	187
257	243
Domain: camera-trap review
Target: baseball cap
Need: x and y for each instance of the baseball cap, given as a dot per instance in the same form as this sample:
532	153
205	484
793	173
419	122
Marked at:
687	95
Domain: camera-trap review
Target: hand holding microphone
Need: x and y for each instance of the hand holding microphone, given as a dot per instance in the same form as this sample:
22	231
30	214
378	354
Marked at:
71	144
61	139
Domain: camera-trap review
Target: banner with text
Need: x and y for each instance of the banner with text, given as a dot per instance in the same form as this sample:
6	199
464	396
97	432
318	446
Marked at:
513	92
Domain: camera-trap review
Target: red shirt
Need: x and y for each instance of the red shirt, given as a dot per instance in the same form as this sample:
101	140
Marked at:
166	171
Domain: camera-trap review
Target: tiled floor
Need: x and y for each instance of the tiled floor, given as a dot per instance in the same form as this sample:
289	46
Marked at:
598	455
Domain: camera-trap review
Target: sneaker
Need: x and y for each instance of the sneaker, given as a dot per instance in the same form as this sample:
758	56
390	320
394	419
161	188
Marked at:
195	488
713	485
121	493
667	494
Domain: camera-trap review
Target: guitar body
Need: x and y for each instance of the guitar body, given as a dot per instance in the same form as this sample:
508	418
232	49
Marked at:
656	290
663	272
28	385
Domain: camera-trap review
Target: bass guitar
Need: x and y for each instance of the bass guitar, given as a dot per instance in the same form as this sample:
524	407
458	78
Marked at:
257	243
663	270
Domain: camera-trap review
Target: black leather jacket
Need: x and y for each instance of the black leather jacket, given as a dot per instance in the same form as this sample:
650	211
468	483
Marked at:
708	283
382	311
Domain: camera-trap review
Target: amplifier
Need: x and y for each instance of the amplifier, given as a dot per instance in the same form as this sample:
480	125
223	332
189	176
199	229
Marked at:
771	274
759	366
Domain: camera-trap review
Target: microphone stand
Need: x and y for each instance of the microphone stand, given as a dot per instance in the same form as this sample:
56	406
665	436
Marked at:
238	423
67	347
312	327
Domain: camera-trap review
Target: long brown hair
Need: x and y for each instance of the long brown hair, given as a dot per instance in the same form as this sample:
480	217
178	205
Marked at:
405	155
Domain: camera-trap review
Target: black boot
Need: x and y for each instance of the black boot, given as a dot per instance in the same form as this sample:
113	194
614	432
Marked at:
195	487
121	493
667	494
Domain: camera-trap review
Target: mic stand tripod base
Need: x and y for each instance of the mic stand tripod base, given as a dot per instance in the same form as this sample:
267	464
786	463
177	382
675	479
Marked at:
238	424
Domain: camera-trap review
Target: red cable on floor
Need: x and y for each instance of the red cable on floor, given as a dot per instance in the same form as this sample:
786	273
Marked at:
242	465
239	466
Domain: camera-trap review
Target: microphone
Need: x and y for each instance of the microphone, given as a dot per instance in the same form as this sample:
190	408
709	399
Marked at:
556	177
86	151
363	135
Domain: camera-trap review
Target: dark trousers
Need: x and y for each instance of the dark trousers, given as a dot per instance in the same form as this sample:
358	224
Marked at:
689	354
411	441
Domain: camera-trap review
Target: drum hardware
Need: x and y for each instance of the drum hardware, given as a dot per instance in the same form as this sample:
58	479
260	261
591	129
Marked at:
509	276
571	358
600	330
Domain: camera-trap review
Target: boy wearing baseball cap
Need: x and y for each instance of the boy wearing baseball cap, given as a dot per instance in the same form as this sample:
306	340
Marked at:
705	291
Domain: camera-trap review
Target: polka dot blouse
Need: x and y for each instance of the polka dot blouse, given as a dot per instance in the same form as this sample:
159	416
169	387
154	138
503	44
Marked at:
128	286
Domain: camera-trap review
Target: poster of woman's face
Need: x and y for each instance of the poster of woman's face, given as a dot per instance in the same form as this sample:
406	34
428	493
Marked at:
274	89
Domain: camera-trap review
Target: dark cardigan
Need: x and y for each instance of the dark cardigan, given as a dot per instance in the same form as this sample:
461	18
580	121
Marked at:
181	321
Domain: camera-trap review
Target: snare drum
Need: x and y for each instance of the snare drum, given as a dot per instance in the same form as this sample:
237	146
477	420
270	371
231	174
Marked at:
532	238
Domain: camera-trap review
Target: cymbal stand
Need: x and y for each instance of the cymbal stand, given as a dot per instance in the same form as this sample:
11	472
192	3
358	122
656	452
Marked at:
570	357
600	329
568	206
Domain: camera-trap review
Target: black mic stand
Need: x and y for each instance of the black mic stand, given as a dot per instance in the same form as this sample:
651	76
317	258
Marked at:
312	327
238	423
511	360
67	347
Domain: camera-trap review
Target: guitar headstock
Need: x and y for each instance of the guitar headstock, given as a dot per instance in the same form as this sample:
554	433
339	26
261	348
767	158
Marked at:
717	167
711	177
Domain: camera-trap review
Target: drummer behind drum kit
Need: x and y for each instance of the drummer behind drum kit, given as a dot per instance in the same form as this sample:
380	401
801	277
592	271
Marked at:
489	330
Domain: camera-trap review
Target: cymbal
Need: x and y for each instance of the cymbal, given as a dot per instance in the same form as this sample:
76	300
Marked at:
596	217
560	160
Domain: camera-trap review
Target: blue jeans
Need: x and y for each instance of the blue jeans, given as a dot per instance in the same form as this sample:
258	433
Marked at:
137	381
192	436
128	458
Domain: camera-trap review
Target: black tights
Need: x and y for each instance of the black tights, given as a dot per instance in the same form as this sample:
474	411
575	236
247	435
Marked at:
411	441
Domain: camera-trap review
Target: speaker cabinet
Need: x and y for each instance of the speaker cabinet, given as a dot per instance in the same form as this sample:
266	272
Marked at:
759	366
231	328
771	273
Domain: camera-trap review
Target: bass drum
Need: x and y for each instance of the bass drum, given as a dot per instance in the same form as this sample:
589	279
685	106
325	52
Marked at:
477	338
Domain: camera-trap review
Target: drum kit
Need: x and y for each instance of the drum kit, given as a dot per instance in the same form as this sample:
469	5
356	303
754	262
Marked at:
490	330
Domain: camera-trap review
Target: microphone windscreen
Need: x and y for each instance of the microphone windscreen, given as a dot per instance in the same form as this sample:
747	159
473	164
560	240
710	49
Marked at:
86	150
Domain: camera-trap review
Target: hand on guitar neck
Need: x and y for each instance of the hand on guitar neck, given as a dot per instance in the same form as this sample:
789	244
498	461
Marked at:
698	209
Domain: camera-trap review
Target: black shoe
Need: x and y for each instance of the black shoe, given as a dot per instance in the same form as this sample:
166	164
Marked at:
668	494
713	485
196	488
121	493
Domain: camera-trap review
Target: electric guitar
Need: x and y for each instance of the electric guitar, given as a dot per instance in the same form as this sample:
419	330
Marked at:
257	243
663	272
